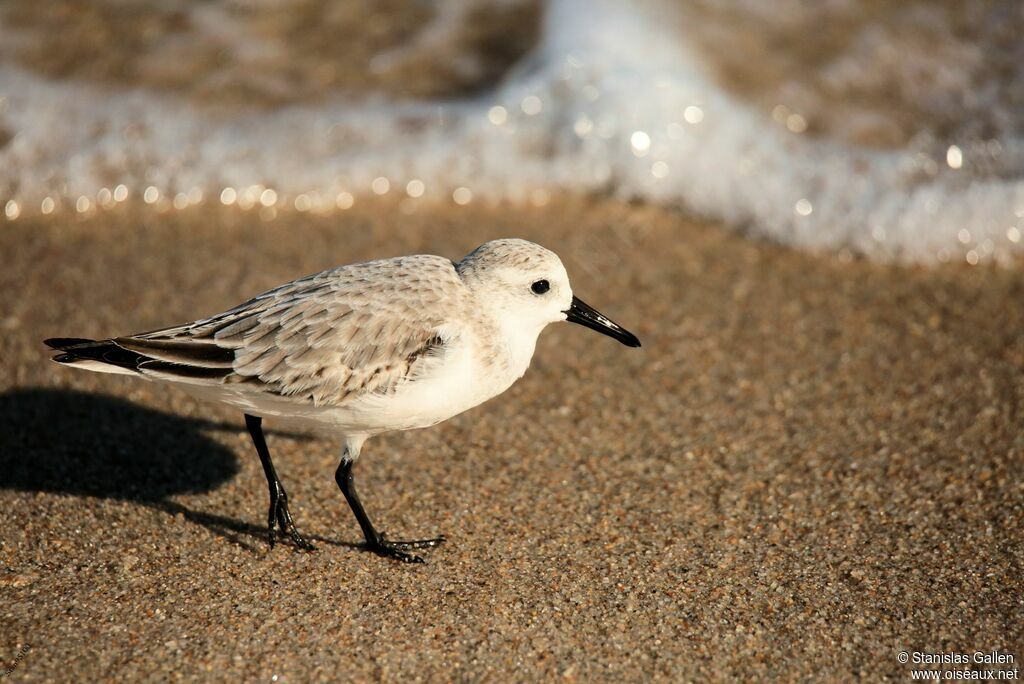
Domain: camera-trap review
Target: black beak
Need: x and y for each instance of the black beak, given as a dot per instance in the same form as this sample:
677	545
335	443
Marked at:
580	312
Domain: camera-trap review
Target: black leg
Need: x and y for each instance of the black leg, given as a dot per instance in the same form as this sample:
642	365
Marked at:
278	514
376	541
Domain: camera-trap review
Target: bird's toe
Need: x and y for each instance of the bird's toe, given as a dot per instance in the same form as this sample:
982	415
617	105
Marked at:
301	541
399	548
414	543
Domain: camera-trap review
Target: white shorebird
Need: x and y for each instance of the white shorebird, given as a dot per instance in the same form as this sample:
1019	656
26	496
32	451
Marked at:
358	350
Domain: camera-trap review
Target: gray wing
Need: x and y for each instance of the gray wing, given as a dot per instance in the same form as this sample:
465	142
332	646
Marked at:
322	339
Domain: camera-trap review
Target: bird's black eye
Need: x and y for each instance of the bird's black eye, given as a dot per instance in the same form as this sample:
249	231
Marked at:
540	287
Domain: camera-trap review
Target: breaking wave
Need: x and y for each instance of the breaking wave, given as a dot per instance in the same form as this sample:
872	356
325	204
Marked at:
640	101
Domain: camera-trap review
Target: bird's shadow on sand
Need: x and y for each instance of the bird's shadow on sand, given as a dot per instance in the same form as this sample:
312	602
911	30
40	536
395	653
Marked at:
91	445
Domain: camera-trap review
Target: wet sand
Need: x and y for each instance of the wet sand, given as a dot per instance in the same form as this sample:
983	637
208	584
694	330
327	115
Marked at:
809	467
264	55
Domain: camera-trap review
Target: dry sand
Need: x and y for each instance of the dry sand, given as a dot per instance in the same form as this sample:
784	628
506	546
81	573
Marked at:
810	466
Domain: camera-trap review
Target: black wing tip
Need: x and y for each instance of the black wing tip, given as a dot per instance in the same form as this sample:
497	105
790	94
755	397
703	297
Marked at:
63	343
177	370
205	354
104	351
131	357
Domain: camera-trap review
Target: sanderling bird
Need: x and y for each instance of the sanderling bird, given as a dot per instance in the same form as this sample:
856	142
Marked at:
358	350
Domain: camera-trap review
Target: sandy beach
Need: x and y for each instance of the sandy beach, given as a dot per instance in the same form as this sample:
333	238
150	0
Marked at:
812	465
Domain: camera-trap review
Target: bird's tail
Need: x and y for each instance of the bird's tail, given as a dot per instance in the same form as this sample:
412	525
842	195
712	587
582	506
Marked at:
102	356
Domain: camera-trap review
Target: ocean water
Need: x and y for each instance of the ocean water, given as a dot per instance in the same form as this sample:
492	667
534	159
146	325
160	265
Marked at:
891	130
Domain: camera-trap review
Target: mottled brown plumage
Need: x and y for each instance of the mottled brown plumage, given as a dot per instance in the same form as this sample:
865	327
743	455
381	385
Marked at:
324	339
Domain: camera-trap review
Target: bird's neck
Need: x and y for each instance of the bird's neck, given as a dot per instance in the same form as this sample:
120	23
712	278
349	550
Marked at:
519	341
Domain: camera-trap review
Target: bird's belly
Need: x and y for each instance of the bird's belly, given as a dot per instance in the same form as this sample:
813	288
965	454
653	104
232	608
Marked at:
456	385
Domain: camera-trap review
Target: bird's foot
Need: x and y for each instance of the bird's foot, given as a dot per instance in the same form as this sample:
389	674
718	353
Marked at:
398	548
280	517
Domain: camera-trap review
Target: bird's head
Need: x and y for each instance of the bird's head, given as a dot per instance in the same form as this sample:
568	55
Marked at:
523	282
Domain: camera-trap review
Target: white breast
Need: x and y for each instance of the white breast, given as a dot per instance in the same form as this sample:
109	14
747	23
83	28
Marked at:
470	372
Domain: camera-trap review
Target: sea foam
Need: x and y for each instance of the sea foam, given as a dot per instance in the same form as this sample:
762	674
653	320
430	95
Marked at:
615	99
